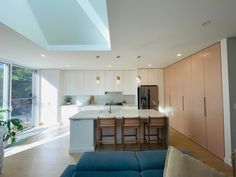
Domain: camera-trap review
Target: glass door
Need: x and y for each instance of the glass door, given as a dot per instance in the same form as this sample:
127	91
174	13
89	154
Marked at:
22	95
1	84
4	88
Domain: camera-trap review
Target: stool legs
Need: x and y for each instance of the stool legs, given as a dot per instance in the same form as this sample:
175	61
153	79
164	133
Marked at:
123	141
98	138
137	138
149	139
115	138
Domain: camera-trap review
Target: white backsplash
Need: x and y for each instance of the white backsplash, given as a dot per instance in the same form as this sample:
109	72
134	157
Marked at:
102	99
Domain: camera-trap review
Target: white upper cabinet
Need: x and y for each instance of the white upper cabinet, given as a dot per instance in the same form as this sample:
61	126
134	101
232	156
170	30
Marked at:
108	81
148	76
129	82
84	82
111	83
98	88
73	82
118	81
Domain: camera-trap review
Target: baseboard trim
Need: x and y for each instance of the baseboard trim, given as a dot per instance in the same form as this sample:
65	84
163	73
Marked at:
228	161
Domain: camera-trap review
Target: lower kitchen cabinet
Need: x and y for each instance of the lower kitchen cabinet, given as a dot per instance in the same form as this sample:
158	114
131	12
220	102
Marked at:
68	111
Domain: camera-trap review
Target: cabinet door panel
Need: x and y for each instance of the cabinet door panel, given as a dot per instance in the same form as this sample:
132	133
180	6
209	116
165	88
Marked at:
144	76
177	98
214	100
73	83
129	82
171	95
198	120
90	82
100	86
118	86
187	95
108	81
167	90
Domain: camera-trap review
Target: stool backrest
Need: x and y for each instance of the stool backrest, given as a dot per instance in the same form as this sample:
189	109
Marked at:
157	121
131	121
106	121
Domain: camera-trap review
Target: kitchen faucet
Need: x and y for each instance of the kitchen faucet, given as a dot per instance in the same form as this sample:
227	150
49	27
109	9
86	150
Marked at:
110	109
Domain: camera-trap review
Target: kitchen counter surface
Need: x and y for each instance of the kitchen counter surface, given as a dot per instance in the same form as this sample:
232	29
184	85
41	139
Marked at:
93	114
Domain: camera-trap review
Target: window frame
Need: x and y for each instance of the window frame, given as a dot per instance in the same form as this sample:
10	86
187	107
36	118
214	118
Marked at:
7	90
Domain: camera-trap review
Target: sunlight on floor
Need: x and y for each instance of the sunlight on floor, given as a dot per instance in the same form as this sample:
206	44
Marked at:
20	148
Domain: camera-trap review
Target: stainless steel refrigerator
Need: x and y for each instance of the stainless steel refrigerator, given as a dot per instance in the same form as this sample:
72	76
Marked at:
148	97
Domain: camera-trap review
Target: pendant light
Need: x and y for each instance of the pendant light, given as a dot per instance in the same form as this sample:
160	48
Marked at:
97	77
138	79
118	79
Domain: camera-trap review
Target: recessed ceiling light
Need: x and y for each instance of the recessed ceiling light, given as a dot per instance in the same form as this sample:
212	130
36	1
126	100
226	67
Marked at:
67	66
149	65
179	55
138	57
117	57
109	66
43	55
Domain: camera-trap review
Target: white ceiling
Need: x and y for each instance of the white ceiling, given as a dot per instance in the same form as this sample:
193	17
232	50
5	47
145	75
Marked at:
155	29
59	25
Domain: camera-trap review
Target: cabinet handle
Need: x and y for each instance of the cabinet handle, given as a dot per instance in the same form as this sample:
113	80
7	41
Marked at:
205	107
169	101
183	103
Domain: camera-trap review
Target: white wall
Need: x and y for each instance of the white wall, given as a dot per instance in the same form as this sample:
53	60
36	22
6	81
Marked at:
228	53
226	102
160	83
231	54
50	96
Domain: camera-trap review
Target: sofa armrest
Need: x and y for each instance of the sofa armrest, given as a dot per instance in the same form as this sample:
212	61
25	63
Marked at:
69	171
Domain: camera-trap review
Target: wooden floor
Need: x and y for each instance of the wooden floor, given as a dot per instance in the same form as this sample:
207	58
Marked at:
50	158
181	142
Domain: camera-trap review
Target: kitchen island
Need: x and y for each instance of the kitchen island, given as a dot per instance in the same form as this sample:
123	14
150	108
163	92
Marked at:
83	126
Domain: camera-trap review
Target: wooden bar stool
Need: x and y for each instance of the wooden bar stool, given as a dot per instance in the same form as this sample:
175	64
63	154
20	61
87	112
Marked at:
105	123
159	123
131	123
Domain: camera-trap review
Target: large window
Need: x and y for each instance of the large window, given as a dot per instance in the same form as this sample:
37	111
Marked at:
17	90
1	84
22	95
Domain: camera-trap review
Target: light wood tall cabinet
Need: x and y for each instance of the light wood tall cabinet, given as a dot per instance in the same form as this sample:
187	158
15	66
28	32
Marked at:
198	118
193	98
214	97
187	95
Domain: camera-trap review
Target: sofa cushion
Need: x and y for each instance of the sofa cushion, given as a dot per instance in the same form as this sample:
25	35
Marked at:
152	159
128	173
69	171
180	165
108	161
152	173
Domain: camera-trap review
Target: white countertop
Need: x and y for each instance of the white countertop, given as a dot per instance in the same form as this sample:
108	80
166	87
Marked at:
93	114
125	104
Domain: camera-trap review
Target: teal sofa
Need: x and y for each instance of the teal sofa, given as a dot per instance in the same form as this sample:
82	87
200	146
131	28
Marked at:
118	164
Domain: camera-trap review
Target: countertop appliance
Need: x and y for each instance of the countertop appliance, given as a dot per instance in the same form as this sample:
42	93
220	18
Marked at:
148	97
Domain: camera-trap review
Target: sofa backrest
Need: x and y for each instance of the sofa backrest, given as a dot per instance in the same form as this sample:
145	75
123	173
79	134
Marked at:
108	161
